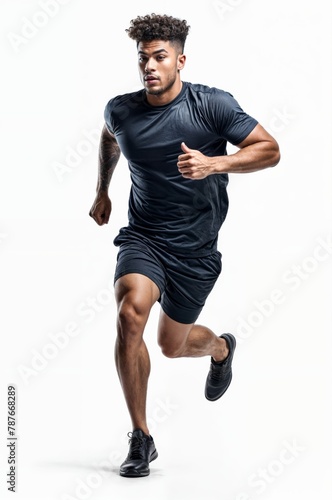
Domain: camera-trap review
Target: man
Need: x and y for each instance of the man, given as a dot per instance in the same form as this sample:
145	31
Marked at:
174	137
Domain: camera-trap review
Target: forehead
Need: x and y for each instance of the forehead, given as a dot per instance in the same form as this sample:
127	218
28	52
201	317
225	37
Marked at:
155	45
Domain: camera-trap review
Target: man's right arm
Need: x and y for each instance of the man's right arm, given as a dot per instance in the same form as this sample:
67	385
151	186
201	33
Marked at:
109	154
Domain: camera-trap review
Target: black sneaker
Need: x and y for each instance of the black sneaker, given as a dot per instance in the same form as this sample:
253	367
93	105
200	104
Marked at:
141	452
220	374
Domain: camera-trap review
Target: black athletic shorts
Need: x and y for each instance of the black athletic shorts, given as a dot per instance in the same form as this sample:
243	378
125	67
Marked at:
184	283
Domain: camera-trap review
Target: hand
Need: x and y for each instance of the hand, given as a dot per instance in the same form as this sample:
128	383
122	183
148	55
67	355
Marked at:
193	164
101	209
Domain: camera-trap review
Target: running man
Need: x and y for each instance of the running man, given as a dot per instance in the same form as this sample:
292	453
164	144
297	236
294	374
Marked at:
174	136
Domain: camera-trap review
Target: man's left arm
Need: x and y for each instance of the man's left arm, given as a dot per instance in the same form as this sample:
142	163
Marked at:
259	150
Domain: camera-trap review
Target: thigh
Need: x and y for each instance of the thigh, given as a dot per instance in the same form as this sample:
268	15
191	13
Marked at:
190	281
137	290
172	335
136	258
135	295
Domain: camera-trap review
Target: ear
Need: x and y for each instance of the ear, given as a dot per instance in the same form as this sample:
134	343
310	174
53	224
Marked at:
181	61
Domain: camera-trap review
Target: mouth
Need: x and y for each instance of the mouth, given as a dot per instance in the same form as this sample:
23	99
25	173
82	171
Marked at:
151	79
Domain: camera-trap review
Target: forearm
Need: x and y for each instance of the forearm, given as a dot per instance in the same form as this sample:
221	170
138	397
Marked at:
109	154
248	159
259	150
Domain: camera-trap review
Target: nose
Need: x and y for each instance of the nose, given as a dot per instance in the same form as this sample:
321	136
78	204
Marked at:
149	66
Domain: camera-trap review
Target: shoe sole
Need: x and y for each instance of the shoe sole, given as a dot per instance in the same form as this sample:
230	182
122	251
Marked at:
134	473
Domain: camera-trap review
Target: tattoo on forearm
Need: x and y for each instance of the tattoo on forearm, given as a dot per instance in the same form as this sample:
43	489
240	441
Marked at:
109	154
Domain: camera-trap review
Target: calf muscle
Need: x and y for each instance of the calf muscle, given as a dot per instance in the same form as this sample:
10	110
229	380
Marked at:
135	296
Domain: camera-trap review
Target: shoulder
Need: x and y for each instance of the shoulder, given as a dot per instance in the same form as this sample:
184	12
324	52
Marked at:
211	99
125	99
120	108
214	103
206	92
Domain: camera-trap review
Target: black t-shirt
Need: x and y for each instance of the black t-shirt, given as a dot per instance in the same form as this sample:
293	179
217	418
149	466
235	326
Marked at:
181	215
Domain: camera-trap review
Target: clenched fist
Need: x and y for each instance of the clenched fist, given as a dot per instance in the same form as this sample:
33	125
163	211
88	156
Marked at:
101	208
193	164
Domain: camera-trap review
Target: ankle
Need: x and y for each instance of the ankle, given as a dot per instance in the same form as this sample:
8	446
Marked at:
142	428
222	351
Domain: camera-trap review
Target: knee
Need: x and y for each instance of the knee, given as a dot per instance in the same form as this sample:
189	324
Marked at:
170	353
170	350
131	320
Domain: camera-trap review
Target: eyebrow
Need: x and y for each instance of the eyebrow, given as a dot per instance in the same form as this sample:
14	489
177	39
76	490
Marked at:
155	52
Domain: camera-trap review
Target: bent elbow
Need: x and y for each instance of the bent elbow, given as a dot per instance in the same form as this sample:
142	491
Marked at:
276	155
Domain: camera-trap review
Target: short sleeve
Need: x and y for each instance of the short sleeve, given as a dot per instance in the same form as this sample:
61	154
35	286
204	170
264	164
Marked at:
108	116
230	121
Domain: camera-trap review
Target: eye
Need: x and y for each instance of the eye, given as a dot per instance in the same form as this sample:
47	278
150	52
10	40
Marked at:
161	58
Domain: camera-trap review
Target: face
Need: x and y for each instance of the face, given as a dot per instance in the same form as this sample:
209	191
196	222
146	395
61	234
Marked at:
159	65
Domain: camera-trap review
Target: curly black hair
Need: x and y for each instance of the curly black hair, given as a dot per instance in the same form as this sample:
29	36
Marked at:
157	27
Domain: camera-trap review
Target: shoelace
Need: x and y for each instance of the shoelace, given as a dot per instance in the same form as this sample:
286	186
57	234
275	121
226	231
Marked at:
136	444
217	372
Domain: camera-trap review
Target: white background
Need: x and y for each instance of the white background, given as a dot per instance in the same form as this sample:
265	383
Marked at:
274	57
